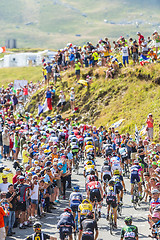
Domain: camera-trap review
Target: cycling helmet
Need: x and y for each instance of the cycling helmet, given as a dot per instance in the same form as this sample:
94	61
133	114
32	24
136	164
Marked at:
122	145
92	178
128	220
37	225
89	143
89	162
89	215
106	162
111	182
67	210
111	188
116	172
76	188
85	201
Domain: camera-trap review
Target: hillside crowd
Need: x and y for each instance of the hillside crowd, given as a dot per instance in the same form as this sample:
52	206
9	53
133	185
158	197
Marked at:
102	54
46	151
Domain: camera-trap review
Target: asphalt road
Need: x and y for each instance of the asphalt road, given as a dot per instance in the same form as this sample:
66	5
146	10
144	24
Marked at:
49	222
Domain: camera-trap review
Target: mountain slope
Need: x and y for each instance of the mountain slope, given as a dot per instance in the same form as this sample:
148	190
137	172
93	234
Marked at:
53	23
131	95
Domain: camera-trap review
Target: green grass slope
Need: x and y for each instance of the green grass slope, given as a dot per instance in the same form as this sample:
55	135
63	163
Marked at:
131	95
53	23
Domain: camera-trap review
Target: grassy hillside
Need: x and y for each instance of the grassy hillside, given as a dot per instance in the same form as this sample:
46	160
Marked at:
131	95
53	23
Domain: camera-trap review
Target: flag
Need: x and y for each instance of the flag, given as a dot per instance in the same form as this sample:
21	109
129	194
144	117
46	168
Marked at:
2	49
143	131
136	134
118	123
143	59
43	108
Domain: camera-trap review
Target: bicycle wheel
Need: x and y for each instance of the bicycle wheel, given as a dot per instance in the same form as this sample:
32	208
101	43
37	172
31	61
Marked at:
111	223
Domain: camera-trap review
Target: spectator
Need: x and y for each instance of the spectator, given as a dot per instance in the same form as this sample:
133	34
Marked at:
4	185
125	54
49	98
149	128
61	102
12	198
134	50
77	69
140	39
156	38
49	72
6	143
72	99
2	226
18	173
153	55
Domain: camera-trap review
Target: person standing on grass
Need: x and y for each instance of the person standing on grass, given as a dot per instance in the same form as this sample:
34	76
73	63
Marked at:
49	72
125	54
156	38
140	39
6	143
149	129
72	99
77	69
49	98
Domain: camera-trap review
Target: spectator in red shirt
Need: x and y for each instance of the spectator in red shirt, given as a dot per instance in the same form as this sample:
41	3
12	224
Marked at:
140	39
25	92
149	129
18	173
2	227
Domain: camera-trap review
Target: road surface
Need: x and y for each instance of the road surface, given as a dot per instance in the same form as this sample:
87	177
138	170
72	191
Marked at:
49	222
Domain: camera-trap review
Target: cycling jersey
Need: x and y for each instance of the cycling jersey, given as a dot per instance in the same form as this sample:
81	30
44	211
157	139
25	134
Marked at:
88	168
117	179
38	236
66	218
85	208
111	196
88	226
75	197
116	166
135	170
94	185
154	204
129	232
106	170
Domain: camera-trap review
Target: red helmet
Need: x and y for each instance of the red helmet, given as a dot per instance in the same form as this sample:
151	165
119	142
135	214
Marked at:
92	178
67	210
44	64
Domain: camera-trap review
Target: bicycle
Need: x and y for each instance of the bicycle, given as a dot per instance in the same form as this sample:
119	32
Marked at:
95	207
119	210
76	163
111	221
136	199
76	226
126	169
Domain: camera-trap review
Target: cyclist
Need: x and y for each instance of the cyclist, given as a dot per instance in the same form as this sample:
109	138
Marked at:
129	231
90	166
94	190
84	208
75	150
38	235
124	155
116	163
65	224
135	175
111	200
105	173
75	200
119	185
87	228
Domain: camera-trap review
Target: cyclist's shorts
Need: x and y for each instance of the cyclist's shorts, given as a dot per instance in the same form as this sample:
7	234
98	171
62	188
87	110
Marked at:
111	200
87	236
74	206
123	159
135	177
118	187
106	177
65	231
75	150
95	193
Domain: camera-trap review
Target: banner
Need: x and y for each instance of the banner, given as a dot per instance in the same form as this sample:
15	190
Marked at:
20	84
